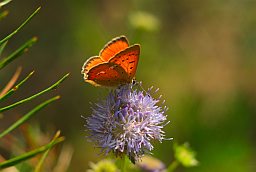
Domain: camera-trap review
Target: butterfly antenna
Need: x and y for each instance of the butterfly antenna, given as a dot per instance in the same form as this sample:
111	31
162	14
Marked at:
135	82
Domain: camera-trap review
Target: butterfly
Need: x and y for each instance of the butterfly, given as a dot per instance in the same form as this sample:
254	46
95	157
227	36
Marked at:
116	64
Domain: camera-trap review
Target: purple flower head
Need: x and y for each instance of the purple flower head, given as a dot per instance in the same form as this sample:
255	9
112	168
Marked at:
126	122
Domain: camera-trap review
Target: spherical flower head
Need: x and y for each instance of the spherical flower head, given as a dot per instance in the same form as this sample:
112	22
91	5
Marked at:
126	122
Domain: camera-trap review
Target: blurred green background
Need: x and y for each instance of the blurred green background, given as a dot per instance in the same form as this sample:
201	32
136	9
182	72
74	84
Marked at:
201	54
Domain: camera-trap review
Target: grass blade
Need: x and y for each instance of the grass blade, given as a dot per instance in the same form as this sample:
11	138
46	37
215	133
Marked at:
3	3
41	161
18	52
2	47
31	154
35	95
15	88
27	116
23	24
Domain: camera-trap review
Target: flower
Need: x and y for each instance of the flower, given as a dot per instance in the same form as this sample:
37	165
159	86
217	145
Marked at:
126	121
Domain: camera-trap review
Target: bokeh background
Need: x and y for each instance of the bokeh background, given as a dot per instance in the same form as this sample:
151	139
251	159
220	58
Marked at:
201	54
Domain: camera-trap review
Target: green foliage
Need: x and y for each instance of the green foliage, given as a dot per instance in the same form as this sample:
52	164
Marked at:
18	52
103	165
144	21
10	89
27	116
4	2
42	159
185	155
30	154
2	46
54	86
15	88
21	26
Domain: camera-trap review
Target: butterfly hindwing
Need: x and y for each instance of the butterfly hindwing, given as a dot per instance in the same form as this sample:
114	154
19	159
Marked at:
107	74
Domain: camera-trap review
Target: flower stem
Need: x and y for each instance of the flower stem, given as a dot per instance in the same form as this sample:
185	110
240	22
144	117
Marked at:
123	165
173	166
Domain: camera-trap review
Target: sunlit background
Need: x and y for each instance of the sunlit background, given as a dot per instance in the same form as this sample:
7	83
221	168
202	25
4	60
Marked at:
200	54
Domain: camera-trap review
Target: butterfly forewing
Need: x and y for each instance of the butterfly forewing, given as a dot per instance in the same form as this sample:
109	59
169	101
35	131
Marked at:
113	47
128	60
107	74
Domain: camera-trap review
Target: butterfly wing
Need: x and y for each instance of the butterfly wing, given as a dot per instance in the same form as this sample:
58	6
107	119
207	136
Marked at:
113	47
106	74
90	63
128	60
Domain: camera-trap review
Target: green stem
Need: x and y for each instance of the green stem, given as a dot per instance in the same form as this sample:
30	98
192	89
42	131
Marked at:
42	159
21	50
15	88
3	3
23	24
124	164
173	166
35	95
28	155
27	116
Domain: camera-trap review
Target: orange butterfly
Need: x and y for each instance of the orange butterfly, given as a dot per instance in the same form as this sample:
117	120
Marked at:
115	65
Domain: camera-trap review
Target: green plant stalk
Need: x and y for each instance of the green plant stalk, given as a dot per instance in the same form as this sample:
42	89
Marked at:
23	24
3	3
2	47
27	116
123	168
28	155
172	166
42	159
35	95
15	88
18	52
122	163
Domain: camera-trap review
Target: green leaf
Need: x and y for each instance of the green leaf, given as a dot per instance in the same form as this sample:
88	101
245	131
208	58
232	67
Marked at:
27	116
35	95
31	154
2	47
4	2
41	161
15	88
18	52
23	24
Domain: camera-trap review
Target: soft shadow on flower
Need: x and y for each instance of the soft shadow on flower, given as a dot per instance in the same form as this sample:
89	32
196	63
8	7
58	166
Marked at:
126	122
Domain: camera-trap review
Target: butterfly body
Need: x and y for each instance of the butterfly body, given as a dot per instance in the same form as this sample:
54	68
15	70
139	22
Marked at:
115	65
